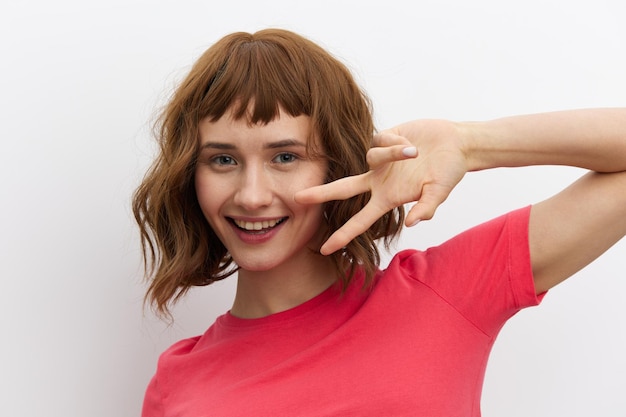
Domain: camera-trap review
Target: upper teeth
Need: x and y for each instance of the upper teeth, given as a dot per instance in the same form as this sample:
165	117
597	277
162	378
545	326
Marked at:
256	225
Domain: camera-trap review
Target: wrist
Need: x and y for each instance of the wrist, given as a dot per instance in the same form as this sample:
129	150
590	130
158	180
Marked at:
474	143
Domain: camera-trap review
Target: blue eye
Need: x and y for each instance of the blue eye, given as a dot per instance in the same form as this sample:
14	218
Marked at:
285	158
224	160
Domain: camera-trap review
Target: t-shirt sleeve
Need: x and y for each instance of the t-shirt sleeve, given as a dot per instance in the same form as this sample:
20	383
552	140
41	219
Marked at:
485	272
152	402
158	396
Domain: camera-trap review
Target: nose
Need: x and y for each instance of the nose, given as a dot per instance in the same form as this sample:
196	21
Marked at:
255	189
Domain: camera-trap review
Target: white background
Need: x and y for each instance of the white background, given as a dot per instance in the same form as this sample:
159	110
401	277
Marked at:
81	82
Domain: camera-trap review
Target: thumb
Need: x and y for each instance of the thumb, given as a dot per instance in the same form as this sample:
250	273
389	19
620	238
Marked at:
431	198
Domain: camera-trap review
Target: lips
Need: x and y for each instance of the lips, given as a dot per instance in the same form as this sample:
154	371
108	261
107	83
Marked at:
257	226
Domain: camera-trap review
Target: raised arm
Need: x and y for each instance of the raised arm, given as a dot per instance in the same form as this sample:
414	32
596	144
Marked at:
572	228
567	231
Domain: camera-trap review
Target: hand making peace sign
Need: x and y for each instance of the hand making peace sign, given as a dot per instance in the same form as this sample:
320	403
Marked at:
419	161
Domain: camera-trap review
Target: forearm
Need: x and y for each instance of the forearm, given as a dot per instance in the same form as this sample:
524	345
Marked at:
594	139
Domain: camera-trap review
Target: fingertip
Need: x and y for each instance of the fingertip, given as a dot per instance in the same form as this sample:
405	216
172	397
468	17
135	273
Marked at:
412	222
331	245
419	212
302	197
409	151
414	216
325	251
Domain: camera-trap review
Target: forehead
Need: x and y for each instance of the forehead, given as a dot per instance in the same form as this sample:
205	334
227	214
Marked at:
241	132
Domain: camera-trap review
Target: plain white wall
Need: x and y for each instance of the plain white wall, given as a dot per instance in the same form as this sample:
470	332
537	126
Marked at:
80	82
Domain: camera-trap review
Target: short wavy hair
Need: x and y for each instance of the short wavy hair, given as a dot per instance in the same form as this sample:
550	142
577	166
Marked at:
255	75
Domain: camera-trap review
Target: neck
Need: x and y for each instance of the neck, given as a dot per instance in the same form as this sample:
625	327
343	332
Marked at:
261	293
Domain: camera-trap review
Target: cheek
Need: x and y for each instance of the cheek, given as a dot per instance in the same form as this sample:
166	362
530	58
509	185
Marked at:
289	187
312	211
314	175
209	195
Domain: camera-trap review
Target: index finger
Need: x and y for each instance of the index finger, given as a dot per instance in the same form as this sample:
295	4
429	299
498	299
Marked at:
340	189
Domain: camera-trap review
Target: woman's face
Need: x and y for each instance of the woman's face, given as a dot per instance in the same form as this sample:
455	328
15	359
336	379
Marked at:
245	180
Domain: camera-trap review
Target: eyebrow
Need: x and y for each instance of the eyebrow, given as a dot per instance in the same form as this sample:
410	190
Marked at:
285	143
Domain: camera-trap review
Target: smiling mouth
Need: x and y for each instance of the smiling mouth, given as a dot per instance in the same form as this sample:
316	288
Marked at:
257	227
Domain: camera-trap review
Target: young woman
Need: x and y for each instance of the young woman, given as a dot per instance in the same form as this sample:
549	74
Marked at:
268	168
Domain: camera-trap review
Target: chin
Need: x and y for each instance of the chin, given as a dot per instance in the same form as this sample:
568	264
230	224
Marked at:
256	266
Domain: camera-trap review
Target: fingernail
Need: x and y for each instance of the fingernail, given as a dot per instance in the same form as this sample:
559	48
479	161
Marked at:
409	151
415	222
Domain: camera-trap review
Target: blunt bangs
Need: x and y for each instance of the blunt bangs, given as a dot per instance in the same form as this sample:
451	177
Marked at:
259	74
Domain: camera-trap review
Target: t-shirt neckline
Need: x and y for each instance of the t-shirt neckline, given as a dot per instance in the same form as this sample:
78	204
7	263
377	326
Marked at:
330	293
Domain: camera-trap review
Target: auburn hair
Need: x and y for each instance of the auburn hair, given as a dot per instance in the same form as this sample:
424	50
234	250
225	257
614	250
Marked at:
256	75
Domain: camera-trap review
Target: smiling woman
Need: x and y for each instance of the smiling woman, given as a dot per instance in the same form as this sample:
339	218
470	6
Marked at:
268	78
269	167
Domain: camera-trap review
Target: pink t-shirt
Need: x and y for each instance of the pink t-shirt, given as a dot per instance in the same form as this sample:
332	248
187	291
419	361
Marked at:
416	344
